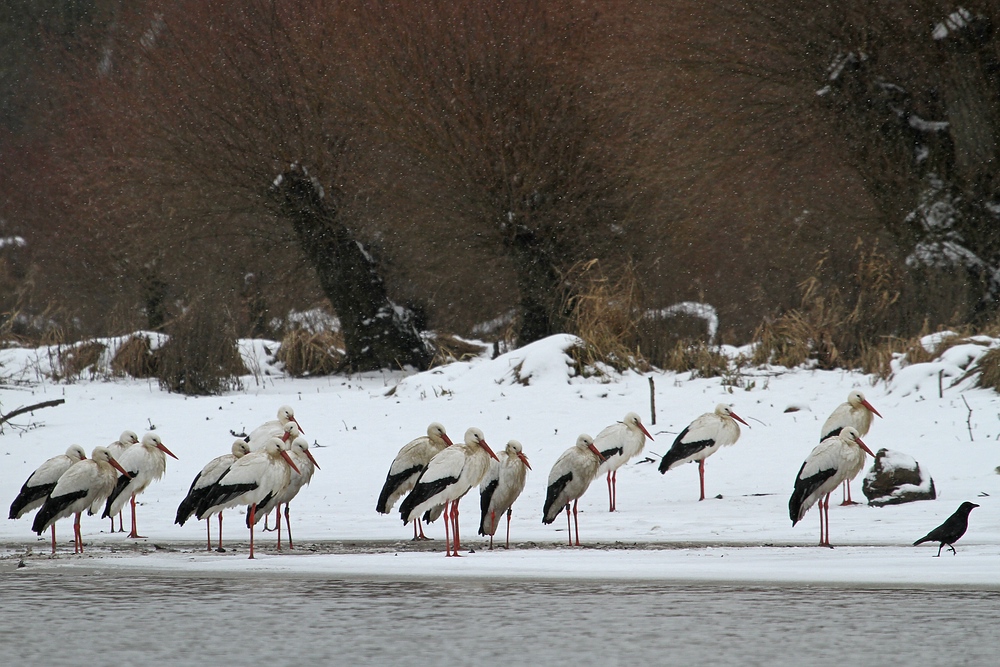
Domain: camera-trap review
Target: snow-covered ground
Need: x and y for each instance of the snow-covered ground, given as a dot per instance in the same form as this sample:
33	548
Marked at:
660	530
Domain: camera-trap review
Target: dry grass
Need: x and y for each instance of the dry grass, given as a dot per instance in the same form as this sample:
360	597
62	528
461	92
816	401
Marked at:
702	360
135	358
448	348
605	313
838	326
72	361
988	370
201	357
307	354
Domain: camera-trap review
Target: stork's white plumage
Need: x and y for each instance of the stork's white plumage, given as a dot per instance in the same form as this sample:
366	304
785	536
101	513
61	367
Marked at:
274	428
500	487
826	467
306	464
117	448
406	468
252	480
145	463
702	438
448	477
617	444
569	479
41	482
83	486
208	476
857	413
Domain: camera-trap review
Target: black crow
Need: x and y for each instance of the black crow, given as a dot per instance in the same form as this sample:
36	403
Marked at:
951	530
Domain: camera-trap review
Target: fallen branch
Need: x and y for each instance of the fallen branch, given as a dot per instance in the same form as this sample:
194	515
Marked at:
968	420
37	406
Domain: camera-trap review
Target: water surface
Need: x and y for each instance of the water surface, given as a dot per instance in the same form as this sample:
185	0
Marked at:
58	617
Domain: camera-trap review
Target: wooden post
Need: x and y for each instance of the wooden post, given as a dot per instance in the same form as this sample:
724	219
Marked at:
652	402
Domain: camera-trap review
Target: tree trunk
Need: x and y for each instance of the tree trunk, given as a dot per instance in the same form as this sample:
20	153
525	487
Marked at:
541	294
377	332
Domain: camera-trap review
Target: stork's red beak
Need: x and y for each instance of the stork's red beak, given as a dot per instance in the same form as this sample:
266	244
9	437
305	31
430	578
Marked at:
597	453
164	449
444	436
864	447
288	460
298	424
309	454
643	429
870	408
524	460
738	418
118	466
482	443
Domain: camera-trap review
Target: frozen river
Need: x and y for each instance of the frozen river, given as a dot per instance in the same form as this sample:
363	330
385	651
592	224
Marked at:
110	616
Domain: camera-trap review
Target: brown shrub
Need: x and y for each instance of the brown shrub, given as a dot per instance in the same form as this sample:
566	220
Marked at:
836	325
201	357
75	359
704	361
135	358
448	348
988	369
305	354
604	312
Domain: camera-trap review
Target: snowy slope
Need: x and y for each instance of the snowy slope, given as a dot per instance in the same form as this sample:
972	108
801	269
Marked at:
358	423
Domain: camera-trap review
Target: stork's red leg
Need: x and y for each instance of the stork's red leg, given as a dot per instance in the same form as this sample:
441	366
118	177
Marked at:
288	525
507	545
447	529
220	549
569	525
611	497
54	538
701	478
253	518
493	527
208	530
454	527
614	491
121	523
277	515
135	531
576	522
77	538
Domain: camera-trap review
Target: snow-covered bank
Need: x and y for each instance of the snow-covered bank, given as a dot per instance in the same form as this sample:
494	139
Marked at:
359	422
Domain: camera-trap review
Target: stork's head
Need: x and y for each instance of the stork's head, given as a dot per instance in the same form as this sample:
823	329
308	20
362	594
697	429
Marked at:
437	433
634	422
857	400
514	449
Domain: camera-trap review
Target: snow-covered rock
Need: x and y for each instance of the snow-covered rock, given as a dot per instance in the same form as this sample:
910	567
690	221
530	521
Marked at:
896	478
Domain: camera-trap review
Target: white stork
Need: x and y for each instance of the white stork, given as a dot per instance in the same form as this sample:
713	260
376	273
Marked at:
274	428
856	413
617	444
569	478
406	468
40	483
289	433
208	476
306	465
702	438
500	487
826	467
117	448
448	477
84	486
253	480
145	462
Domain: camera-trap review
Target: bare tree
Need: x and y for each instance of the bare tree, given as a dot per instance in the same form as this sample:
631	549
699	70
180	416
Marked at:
493	99
236	127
